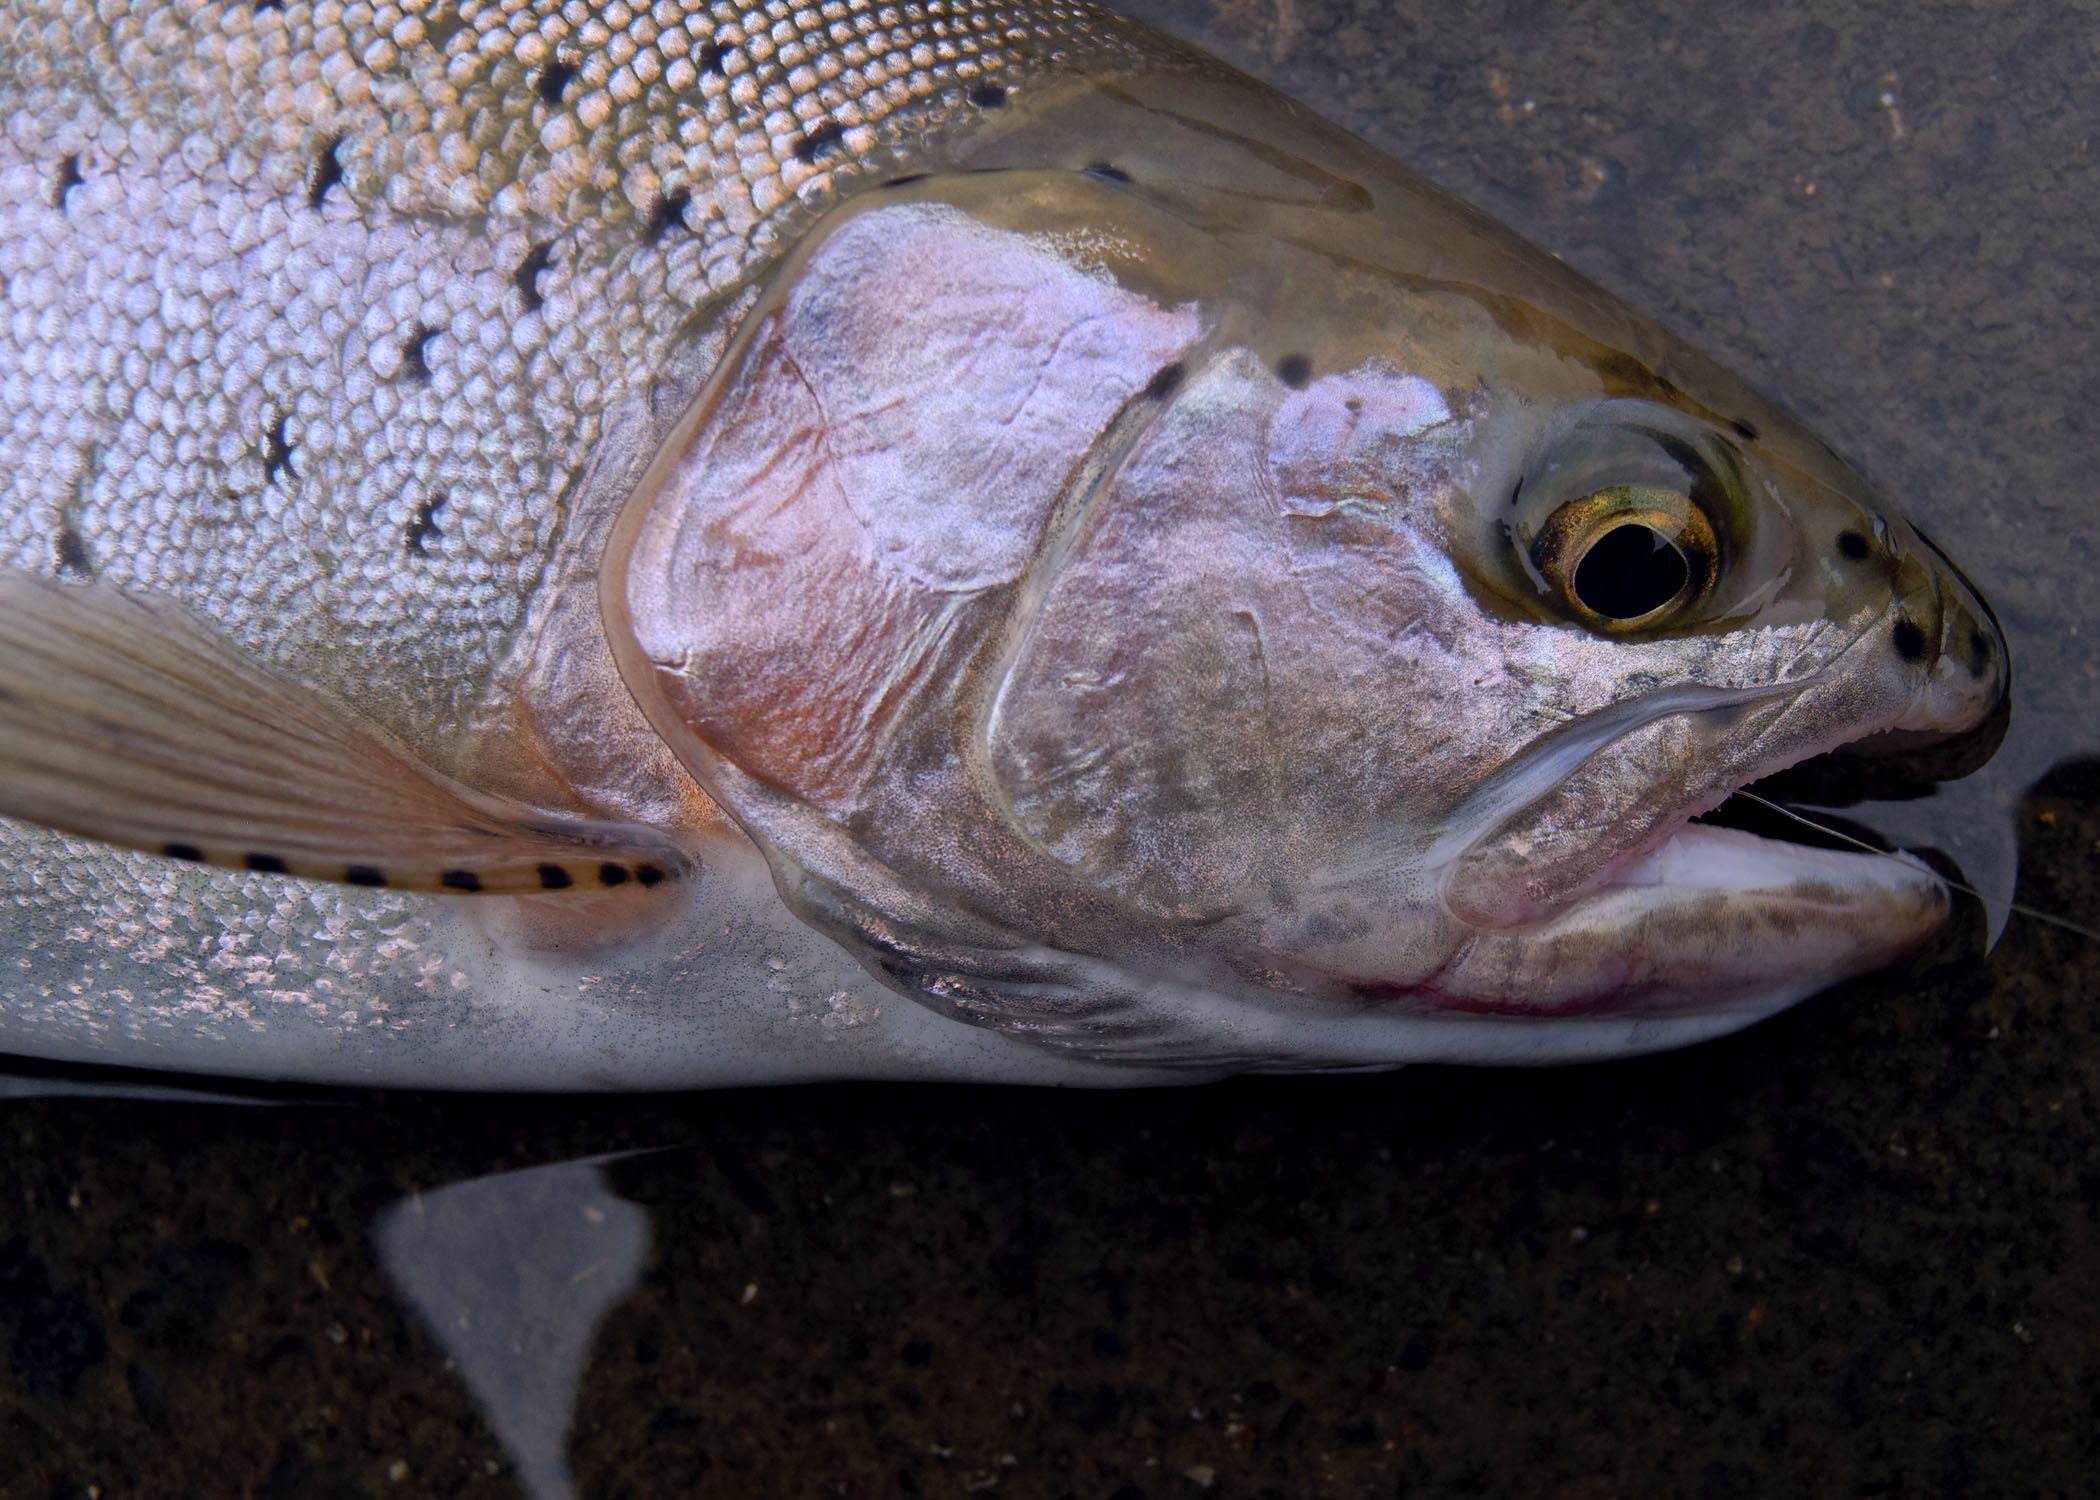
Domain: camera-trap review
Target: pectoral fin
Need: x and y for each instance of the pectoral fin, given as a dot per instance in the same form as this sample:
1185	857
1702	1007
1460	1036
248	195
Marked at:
124	718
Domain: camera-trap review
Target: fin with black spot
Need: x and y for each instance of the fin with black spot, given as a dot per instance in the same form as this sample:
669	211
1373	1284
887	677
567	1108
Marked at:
124	718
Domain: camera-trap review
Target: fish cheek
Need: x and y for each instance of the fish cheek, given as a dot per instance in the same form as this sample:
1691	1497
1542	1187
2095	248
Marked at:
1235	669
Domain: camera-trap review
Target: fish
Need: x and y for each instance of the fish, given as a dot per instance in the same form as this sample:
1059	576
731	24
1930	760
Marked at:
581	546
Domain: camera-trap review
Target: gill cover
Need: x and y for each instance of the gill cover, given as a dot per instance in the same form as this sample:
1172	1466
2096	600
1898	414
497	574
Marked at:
1123	605
811	593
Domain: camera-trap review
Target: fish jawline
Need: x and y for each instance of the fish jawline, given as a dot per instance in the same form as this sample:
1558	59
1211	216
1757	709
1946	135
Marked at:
1712	922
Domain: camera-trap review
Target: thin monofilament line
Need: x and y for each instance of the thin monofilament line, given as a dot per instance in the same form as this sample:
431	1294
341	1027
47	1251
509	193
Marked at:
1952	885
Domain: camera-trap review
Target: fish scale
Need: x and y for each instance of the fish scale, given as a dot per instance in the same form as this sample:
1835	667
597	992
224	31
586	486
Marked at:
284	355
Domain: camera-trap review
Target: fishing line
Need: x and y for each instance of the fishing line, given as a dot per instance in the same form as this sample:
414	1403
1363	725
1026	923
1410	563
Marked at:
1952	885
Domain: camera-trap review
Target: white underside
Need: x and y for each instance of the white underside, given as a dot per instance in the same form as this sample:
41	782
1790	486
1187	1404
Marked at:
746	995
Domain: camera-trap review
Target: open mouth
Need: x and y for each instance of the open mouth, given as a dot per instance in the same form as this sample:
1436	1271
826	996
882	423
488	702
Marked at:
1854	776
1741	910
1787	809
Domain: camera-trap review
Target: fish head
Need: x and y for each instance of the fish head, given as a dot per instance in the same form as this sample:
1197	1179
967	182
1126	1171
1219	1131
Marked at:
1175	614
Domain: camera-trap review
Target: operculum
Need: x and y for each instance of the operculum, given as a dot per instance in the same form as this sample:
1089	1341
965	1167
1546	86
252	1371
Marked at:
800	589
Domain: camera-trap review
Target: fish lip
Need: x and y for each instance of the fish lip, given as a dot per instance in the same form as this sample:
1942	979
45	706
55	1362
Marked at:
1711	923
1714	922
1886	762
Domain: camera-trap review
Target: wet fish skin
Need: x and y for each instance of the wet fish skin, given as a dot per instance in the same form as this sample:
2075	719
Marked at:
1261	701
368	313
366	383
346	362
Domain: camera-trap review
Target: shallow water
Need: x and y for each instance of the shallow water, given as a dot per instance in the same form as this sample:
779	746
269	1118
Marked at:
1855	1250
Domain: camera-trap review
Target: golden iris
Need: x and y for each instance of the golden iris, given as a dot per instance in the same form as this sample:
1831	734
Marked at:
1627	558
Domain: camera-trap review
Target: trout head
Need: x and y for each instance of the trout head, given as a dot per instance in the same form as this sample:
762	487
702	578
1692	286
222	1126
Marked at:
1228	603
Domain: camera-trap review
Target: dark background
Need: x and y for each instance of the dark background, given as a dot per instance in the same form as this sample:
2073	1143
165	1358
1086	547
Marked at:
1855	1251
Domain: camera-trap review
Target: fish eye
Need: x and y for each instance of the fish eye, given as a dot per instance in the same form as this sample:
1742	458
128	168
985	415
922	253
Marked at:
1627	516
1628	556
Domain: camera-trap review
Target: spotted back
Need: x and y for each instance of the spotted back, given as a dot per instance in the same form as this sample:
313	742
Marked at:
312	314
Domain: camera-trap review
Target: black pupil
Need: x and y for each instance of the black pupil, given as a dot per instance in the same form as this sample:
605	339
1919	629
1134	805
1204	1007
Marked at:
1631	571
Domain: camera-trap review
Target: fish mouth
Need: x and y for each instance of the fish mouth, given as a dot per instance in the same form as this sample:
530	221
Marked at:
1887	767
1614	869
1713	921
1740	910
1722	918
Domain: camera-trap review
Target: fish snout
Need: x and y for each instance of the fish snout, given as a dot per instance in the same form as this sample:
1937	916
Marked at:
1941	627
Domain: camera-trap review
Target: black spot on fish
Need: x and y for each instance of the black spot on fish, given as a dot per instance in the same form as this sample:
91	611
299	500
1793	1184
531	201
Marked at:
1165	382
827	133
1103	172
366	875
459	880
189	852
1744	430
554	878
1854	547
648	875
711	57
527	277
325	173
1908	640
264	864
415	352
1295	371
422	526
68	179
1516	493
669	214
73	553
277	454
906	180
988	96
611	874
554	81
1979	654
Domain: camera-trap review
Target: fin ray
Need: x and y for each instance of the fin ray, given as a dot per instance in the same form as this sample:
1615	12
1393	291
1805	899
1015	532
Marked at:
123	718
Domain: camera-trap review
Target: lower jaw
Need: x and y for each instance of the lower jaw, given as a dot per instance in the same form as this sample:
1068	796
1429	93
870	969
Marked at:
1713	922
